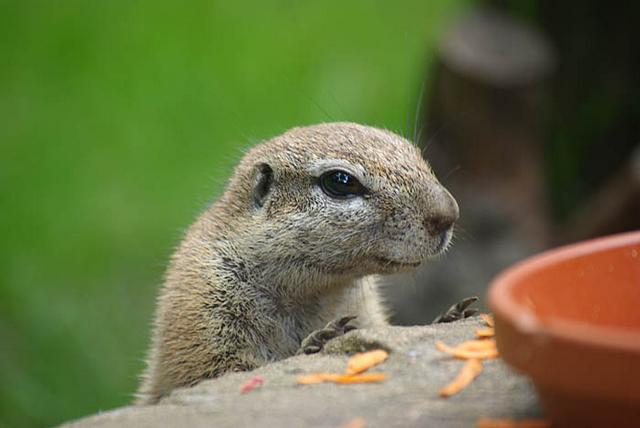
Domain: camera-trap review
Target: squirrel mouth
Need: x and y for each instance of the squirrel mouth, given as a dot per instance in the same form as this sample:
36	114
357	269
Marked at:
445	240
393	263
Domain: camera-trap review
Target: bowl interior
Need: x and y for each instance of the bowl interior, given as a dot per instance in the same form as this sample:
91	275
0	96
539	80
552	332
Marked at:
594	283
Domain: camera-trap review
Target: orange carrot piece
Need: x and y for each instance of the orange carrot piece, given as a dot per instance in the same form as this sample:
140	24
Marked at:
486	332
360	378
488	319
340	378
477	345
358	422
495	423
315	378
466	354
471	369
365	360
511	423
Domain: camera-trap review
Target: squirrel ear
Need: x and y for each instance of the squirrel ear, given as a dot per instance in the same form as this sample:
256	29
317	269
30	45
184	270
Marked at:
262	184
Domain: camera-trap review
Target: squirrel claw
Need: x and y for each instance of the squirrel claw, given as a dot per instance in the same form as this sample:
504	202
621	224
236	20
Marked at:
341	323
458	311
315	341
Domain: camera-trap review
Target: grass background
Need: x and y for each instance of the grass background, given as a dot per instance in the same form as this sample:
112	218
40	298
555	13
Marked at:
119	121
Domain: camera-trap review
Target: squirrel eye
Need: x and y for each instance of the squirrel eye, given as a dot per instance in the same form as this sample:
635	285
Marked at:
341	185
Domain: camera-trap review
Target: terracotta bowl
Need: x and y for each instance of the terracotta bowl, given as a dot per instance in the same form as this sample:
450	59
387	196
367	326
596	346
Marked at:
570	319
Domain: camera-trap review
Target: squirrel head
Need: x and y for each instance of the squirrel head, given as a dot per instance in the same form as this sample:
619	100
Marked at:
340	199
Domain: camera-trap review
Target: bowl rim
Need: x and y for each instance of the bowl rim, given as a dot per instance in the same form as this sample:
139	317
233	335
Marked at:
525	321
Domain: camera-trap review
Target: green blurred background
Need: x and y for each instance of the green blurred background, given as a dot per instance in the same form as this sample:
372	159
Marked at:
119	121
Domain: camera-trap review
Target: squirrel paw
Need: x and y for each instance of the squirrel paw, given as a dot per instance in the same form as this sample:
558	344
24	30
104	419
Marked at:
314	342
458	311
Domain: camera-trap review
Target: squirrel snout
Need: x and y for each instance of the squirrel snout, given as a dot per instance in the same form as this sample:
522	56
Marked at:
444	214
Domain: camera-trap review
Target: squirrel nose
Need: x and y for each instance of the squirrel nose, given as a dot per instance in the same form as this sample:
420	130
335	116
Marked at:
444	213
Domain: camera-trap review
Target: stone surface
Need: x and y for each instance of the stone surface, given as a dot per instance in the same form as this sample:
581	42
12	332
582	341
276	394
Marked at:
409	396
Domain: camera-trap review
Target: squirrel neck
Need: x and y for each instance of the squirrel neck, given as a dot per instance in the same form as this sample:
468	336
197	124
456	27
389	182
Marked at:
247	253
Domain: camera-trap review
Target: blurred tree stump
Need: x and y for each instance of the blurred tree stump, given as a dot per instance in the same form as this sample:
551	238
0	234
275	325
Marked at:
485	118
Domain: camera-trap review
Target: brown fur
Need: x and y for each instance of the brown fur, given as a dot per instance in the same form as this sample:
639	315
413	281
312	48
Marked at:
250	281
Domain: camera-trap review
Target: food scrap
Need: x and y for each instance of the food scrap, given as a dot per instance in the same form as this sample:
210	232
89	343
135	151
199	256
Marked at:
360	378
358	422
486	332
357	364
474	351
340	378
470	370
316	378
471	349
488	319
512	423
364	361
251	384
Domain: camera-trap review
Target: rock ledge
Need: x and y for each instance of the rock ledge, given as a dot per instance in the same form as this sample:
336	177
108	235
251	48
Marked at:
408	398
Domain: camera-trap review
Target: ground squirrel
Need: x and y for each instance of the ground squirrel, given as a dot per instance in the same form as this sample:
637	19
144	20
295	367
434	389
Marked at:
305	221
